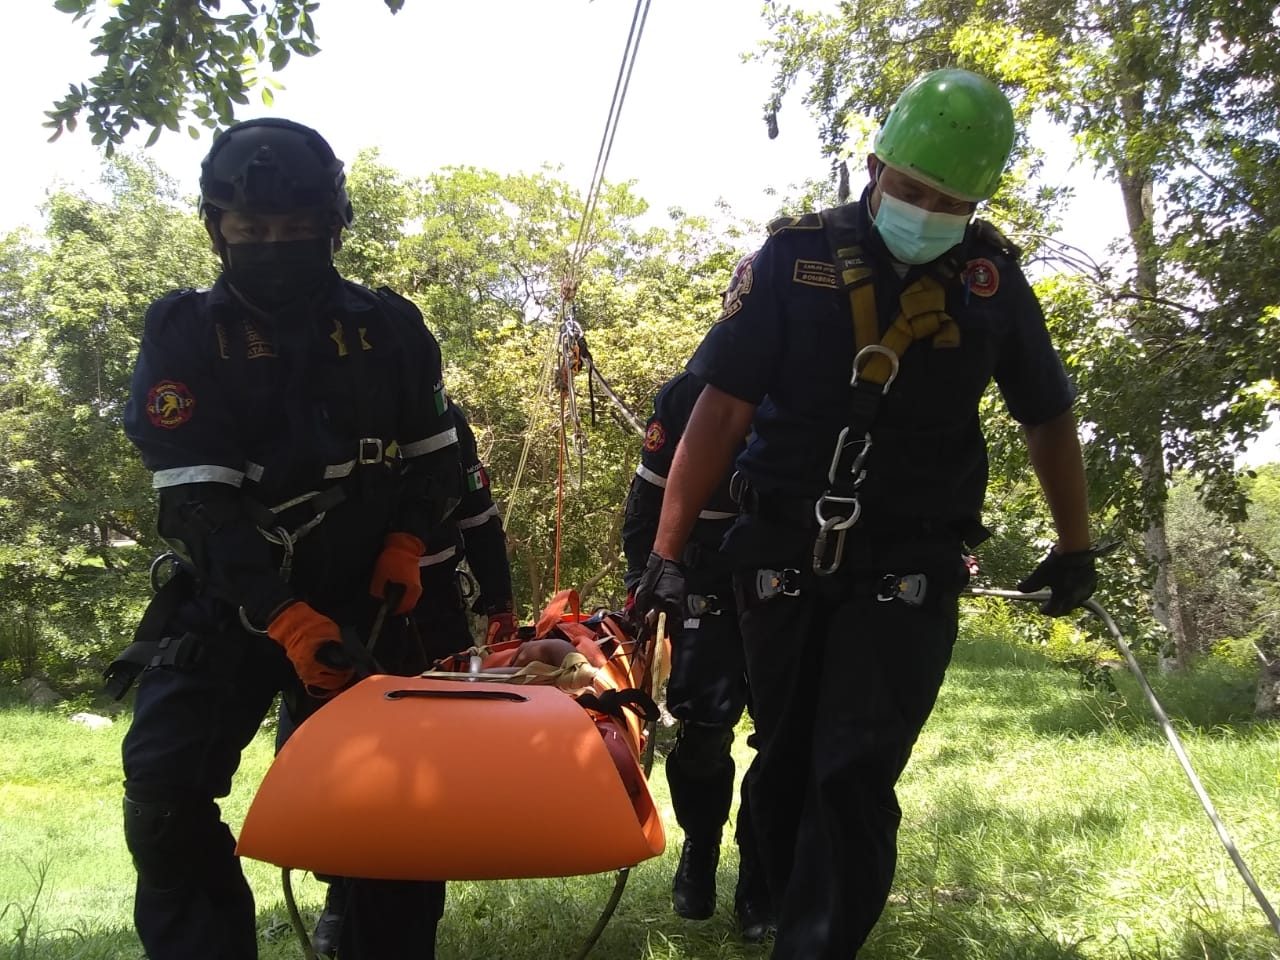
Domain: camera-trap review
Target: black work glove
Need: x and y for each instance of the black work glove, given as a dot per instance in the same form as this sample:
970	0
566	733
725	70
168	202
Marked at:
1070	577
662	589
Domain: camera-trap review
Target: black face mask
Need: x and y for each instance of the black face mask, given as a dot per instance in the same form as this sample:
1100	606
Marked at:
273	275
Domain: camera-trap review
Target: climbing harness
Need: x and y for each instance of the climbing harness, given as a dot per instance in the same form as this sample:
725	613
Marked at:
876	360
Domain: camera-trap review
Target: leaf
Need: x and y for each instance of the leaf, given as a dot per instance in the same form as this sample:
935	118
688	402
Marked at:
279	56
155	135
67	6
268	98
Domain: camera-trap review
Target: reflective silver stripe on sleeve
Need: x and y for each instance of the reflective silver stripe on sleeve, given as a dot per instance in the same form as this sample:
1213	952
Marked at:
657	479
431	559
715	515
336	470
430	444
207	473
466	523
253	470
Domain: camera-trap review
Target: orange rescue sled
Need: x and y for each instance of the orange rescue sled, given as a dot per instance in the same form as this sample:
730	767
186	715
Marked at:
426	778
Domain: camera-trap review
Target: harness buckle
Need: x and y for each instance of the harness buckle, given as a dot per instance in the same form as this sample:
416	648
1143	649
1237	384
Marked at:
910	588
370	450
703	605
777	583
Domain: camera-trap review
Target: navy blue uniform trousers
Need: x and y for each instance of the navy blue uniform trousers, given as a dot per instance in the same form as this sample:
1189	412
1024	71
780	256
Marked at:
841	685
192	901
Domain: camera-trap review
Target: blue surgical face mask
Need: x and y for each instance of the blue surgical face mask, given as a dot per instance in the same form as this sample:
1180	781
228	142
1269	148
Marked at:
915	235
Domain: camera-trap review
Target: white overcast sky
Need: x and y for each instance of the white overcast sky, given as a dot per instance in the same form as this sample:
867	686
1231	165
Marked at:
507	85
503	84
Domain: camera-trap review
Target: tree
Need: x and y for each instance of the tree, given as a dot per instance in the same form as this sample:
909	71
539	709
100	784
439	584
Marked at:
78	538
485	256
1176	366
169	60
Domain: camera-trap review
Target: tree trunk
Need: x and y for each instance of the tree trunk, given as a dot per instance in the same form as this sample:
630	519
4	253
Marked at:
1136	189
1267	704
587	588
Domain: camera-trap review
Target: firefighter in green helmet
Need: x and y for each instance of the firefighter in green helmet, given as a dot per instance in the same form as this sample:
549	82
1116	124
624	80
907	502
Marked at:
856	345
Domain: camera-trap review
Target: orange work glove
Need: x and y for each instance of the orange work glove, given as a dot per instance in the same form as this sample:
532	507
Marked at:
398	563
502	626
314	645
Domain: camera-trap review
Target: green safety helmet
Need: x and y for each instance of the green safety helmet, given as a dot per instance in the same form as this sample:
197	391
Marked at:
951	129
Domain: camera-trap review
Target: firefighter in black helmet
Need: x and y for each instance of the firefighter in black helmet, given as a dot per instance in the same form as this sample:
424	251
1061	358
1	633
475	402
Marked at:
303	450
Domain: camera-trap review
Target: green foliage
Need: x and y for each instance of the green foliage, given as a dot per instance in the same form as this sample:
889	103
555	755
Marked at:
76	543
483	254
1174	353
1231	584
167	62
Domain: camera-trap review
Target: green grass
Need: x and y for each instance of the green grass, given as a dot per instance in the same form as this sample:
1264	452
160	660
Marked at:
1041	821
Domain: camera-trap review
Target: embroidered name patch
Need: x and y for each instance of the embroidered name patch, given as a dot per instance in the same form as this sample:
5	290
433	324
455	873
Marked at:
739	287
170	404
259	346
655	437
981	277
815	273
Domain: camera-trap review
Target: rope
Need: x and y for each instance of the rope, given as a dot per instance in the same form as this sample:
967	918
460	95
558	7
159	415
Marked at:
295	918
623	81
528	445
628	415
559	498
1170	734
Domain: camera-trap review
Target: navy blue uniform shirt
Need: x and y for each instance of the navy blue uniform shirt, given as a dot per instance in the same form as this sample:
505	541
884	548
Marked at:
236	415
671	409
785	343
475	534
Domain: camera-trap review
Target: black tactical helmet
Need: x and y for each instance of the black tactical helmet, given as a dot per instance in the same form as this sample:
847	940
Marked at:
273	166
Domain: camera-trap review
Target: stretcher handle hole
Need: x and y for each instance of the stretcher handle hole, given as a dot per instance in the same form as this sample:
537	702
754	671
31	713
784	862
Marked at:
458	695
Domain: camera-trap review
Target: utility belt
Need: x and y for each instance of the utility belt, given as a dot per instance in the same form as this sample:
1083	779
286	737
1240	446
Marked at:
756	587
789	510
916	561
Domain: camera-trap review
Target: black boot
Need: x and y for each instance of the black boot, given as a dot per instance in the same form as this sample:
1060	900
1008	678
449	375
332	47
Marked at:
328	932
693	891
756	922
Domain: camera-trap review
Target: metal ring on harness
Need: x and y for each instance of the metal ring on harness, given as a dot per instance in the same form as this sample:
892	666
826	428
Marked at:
869	350
168	557
244	622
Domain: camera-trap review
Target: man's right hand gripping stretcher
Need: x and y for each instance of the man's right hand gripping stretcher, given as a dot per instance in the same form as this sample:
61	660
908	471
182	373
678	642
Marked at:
313	643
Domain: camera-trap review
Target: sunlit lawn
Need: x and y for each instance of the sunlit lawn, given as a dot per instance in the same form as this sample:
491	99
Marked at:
1041	822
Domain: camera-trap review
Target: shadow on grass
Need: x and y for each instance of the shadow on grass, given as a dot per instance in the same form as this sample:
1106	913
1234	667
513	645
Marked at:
1009	688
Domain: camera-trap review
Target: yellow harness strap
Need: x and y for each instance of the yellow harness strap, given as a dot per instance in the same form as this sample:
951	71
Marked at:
923	314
